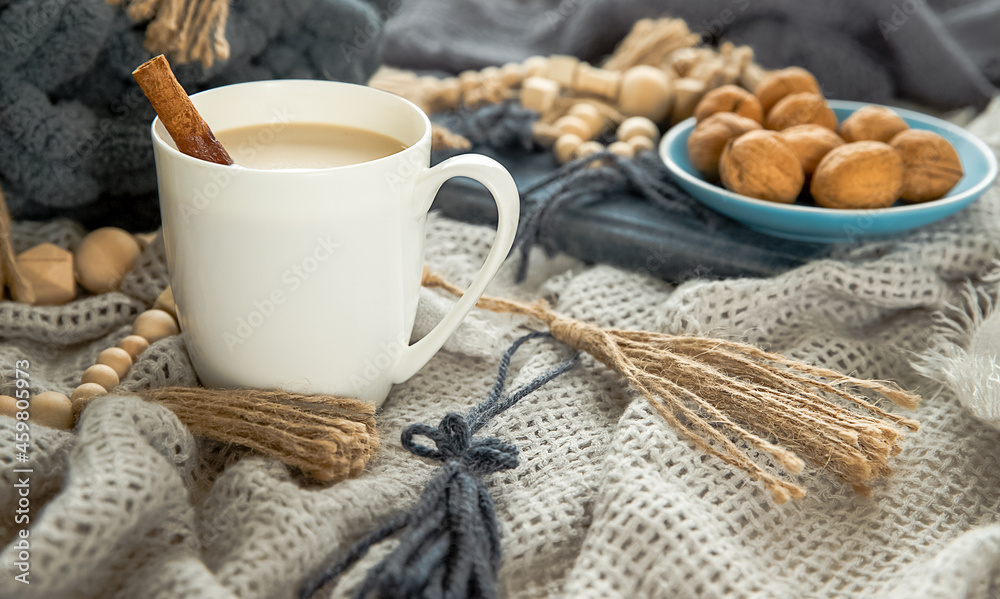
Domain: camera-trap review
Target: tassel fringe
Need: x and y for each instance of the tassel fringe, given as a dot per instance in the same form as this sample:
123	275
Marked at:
184	30
702	387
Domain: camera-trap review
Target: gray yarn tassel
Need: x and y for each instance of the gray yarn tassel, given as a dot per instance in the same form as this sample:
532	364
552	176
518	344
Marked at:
449	542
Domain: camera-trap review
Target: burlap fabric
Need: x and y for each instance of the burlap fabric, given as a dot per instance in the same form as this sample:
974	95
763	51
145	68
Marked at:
607	502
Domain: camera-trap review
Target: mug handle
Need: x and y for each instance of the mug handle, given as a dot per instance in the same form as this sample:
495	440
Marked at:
501	185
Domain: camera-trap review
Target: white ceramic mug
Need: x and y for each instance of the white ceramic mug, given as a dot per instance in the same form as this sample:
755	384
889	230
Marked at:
307	279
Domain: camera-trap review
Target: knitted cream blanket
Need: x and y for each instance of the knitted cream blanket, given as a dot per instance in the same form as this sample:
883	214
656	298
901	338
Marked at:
607	502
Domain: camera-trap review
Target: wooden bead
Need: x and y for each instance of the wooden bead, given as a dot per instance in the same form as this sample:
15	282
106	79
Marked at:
134	345
574	125
621	148
102	374
646	91
447	94
511	74
88	390
538	93
165	302
588	148
155	325
591	115
536	66
8	406
641	144
597	82
51	409
469	80
565	147
687	93
117	358
637	126
103	258
562	69
48	269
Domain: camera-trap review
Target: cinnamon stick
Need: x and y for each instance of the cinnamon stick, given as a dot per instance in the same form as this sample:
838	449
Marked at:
189	131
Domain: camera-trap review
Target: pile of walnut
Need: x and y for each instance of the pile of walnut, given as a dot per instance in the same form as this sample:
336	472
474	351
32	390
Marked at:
766	145
50	275
655	77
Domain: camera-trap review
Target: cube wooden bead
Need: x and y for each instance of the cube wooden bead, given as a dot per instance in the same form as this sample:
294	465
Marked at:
102	374
134	345
562	69
597	82
154	325
51	409
117	358
646	91
538	93
574	125
48	269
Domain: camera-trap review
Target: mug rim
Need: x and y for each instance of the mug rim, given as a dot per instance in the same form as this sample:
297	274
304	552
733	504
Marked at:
424	137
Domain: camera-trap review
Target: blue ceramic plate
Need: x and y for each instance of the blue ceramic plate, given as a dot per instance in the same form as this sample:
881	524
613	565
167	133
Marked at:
805	222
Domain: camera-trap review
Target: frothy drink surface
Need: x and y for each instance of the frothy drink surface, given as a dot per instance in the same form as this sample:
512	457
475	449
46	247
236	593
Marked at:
304	145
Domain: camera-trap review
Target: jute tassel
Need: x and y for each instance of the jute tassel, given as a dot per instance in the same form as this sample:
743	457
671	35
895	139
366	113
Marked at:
704	386
184	30
10	273
651	42
328	438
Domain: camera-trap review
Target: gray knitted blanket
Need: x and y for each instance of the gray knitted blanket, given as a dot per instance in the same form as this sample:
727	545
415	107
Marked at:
608	500
74	126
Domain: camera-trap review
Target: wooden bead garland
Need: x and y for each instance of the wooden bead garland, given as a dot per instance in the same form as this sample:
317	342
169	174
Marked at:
657	72
55	409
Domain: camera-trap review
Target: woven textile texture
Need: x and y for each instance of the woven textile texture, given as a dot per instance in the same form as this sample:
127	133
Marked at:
608	501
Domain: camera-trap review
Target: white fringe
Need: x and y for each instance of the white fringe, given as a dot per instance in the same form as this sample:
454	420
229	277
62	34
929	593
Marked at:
963	354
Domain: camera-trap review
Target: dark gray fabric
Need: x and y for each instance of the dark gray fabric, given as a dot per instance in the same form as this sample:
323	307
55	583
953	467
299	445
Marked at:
870	50
74	126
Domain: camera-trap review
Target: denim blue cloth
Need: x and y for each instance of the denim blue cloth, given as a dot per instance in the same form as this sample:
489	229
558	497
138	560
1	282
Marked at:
74	126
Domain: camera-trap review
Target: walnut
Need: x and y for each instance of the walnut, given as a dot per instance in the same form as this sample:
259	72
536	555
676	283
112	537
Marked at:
759	165
931	166
729	98
873	123
863	174
810	143
778	84
706	142
801	109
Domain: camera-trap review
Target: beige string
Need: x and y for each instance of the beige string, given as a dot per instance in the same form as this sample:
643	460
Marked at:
184	30
703	387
